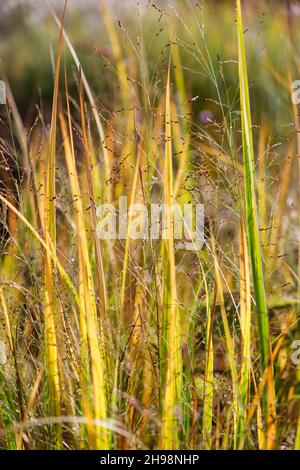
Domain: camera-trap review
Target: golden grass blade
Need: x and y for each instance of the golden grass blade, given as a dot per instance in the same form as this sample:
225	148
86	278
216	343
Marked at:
228	340
127	242
297	443
171	322
50	236
245	320
89	94
261	183
32	397
253	238
277	222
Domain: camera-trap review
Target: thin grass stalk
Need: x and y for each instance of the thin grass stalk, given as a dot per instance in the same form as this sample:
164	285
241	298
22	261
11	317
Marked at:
261	183
297	442
100	277
245	321
84	267
88	321
171	322
297	126
117	52
277	222
208	405
106	162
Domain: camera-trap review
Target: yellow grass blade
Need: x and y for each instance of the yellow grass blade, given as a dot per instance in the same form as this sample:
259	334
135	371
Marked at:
50	236
228	340
88	320
245	320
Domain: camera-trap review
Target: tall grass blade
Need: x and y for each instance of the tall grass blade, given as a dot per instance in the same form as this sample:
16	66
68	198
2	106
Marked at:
253	239
170	322
50	237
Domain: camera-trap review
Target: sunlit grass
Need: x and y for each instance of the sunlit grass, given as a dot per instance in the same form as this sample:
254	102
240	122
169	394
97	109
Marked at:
126	344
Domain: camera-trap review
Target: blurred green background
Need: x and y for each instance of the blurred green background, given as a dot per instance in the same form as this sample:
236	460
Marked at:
28	39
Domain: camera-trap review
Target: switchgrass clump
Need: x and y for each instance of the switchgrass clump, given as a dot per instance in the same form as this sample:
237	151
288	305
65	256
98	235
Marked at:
139	343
